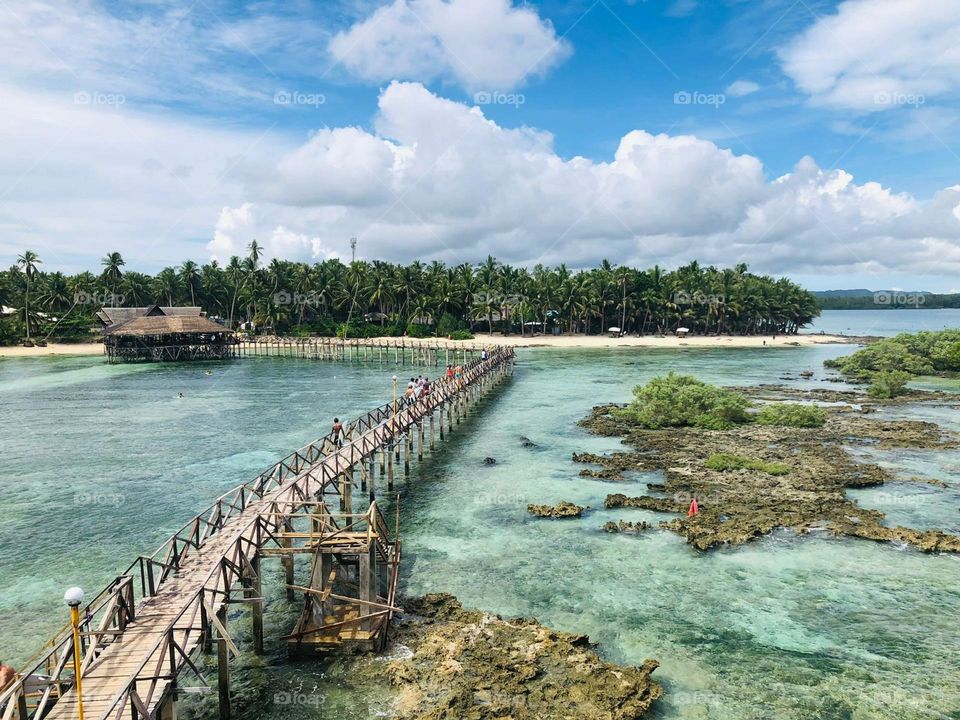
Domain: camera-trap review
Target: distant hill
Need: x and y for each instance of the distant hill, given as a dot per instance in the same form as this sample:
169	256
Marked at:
862	292
863	299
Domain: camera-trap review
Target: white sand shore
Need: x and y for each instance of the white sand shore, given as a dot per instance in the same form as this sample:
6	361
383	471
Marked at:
53	349
554	341
597	341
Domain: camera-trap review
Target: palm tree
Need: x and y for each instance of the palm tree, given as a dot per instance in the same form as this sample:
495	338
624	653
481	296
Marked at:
190	275
28	262
111	271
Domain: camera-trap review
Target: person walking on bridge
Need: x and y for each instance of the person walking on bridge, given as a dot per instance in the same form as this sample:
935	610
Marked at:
484	356
337	431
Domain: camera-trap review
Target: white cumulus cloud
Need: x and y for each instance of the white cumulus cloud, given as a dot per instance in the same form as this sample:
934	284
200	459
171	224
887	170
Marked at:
479	44
437	179
874	55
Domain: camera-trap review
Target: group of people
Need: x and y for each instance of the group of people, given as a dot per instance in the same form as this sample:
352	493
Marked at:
417	387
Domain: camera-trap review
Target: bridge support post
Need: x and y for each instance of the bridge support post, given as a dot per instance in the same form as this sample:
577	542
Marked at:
420	442
432	444
368	580
389	454
407	442
346	491
252	592
223	671
287	560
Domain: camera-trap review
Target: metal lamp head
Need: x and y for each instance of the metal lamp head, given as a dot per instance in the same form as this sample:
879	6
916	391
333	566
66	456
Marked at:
73	597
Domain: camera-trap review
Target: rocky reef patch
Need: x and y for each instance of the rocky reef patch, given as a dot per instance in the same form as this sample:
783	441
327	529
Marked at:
462	664
739	505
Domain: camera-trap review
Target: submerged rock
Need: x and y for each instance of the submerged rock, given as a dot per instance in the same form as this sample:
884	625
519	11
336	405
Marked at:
489	461
471	665
561	510
527	442
626	527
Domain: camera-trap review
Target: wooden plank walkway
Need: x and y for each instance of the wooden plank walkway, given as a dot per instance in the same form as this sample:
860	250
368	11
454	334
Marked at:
130	670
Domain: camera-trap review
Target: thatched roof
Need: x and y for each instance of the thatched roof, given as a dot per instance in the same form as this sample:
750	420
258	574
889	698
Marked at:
116	315
166	325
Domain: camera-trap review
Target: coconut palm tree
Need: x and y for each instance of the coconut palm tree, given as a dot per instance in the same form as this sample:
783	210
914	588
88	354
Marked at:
28	262
111	272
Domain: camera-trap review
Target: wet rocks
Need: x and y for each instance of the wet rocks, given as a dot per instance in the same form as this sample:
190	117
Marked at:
489	461
561	510
470	665
631	528
737	507
527	442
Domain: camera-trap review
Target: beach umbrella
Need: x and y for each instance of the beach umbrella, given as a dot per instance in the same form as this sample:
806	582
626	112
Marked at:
683	330
614	330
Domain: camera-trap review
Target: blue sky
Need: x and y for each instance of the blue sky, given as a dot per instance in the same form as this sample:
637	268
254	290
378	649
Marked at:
816	139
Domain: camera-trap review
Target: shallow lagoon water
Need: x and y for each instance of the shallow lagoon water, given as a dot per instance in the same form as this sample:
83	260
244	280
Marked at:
785	627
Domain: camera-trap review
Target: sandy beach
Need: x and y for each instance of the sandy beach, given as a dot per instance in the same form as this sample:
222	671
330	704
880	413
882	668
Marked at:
52	349
602	341
555	341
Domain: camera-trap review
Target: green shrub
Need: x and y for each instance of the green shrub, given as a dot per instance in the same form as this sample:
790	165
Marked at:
922	353
682	401
725	462
792	415
450	324
889	384
461	335
419	331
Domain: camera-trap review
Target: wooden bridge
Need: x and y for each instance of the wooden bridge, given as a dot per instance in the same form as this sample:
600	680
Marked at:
147	627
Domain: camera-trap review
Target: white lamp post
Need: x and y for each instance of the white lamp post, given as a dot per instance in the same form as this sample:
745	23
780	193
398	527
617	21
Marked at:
74	597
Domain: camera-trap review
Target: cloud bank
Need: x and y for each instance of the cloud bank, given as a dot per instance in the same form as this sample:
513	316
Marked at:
438	179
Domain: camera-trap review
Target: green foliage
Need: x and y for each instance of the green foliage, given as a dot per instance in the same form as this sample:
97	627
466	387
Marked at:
450	324
792	415
725	462
888	384
279	295
415	330
682	400
923	353
461	335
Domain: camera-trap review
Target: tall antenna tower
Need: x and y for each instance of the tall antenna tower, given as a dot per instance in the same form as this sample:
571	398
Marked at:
353	249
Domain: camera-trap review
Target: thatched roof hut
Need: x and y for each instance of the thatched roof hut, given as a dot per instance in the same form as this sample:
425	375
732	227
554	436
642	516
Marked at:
165	334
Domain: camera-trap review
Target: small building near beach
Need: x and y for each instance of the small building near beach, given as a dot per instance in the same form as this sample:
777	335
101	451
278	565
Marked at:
157	334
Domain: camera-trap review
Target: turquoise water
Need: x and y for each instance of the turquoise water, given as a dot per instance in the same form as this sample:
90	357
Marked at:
107	458
786	627
884	322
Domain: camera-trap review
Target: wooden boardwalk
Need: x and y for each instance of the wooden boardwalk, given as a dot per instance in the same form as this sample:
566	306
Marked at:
145	629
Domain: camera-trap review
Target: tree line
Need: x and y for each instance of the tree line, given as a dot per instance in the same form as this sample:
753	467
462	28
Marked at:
363	297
